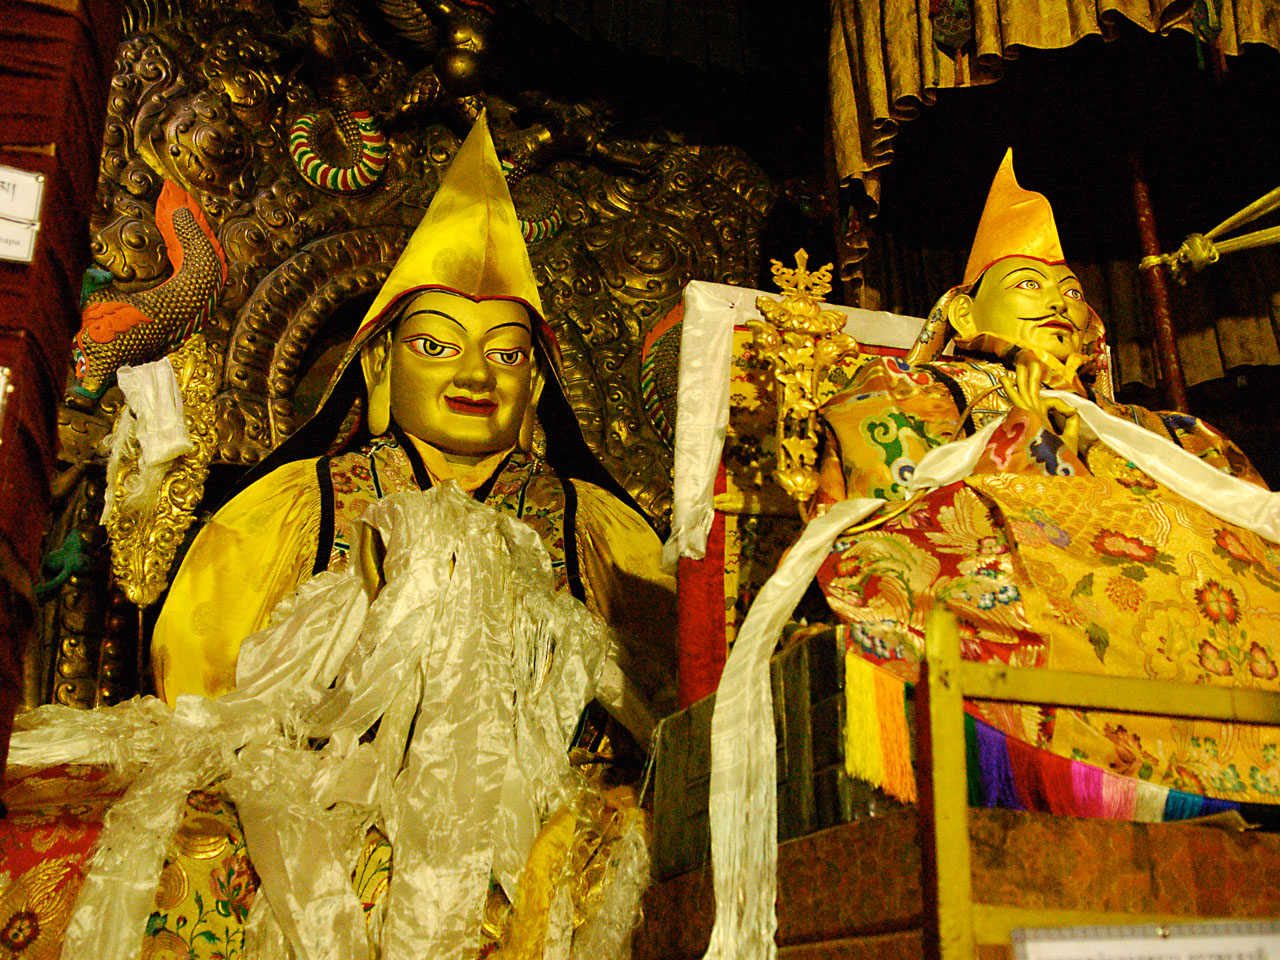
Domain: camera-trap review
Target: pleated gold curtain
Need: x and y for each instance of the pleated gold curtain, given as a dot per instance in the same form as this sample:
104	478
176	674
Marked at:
885	66
884	63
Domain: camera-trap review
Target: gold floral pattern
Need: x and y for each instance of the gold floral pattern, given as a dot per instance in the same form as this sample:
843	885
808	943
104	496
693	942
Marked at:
1102	570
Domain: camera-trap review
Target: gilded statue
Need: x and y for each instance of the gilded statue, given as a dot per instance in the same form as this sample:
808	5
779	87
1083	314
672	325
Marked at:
206	101
457	362
1063	528
378	651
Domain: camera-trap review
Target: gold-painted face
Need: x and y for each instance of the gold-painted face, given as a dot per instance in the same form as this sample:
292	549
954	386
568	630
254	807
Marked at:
461	372
1025	301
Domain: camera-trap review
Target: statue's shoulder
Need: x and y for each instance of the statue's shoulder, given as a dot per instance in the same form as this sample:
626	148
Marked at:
286	483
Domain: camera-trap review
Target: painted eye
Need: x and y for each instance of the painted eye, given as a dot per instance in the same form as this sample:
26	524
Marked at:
508	358
1074	294
432	348
1029	284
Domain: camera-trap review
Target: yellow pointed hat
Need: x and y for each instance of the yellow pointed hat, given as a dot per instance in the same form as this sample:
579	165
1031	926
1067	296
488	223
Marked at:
469	241
1015	223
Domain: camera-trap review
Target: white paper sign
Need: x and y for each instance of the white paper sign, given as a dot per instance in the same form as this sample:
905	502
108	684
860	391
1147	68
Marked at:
20	193
17	241
1192	941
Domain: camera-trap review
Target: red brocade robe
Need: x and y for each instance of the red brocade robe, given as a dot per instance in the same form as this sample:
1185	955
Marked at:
1049	558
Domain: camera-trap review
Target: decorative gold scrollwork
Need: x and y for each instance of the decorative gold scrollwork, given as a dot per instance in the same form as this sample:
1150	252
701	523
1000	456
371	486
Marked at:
143	543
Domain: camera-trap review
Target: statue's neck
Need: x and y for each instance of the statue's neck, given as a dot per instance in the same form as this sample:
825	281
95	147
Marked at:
469	472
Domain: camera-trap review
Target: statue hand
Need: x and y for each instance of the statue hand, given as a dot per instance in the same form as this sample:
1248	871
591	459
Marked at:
1023	390
367	554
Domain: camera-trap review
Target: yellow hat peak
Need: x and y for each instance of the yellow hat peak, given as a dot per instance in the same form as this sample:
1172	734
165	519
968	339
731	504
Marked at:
468	242
1015	223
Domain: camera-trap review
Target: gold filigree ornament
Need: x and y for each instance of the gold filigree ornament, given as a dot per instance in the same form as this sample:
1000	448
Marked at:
800	340
143	543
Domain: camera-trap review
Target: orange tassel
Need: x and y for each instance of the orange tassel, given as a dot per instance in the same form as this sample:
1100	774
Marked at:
895	740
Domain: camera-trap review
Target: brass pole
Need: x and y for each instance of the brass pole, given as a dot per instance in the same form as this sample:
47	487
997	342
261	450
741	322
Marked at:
1158	292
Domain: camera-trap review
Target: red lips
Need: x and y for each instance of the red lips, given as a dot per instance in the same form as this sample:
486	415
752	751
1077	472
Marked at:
472	406
1063	325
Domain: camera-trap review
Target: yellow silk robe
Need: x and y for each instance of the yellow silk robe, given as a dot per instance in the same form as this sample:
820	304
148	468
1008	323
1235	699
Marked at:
262	544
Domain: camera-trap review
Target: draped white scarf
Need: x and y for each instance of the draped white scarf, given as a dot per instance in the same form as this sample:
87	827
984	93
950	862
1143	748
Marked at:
475	671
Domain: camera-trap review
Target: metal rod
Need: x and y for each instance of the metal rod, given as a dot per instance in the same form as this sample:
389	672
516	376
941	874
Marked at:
1250	241
1158	293
1259	207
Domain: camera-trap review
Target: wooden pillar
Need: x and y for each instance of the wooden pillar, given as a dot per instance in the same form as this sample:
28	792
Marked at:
56	61
1156	285
947	878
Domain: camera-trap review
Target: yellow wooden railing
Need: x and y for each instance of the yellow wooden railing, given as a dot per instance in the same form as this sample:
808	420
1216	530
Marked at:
955	925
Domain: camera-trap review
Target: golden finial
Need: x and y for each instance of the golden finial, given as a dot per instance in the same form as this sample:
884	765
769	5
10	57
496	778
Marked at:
799	282
800	340
803	294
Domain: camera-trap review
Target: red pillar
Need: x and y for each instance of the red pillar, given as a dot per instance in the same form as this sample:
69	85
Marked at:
56	61
1155	283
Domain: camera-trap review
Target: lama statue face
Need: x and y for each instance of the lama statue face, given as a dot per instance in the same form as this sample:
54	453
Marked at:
1025	301
461	372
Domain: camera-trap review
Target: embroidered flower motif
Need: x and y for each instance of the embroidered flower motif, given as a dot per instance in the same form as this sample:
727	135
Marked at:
343	483
1028	533
1131	758
234	886
1135	479
1217	603
1211	659
1114	544
1007	593
990	546
1125	593
1234	547
360	471
1261	665
20	931
878	639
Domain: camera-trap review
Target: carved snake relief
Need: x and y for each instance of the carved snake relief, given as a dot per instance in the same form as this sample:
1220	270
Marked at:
363	142
139	327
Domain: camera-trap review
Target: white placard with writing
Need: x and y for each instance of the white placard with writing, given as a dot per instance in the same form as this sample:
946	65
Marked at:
1193	941
20	193
17	241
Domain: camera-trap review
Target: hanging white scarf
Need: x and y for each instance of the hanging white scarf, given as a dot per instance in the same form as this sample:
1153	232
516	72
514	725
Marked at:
473	667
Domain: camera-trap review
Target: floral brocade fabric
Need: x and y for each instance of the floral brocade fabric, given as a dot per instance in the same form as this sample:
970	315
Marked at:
524	487
1080	563
206	886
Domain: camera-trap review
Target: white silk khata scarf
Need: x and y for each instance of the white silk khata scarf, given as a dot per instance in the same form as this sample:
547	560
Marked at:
441	712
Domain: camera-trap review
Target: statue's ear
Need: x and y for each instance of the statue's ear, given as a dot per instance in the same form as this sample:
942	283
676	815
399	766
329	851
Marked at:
960	316
531	436
375	362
